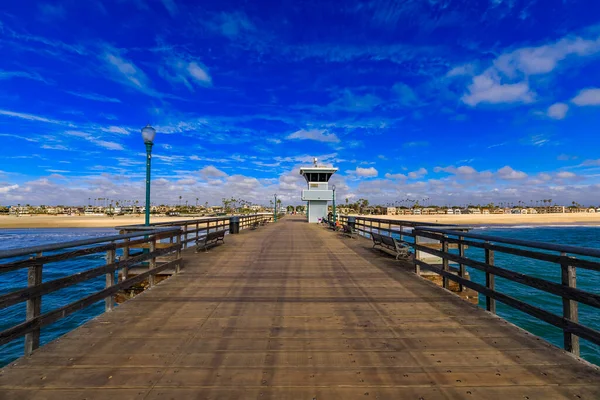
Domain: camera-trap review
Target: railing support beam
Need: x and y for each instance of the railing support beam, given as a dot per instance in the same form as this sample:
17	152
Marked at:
570	311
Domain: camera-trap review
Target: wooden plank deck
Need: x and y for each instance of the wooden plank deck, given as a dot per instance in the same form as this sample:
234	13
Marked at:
295	311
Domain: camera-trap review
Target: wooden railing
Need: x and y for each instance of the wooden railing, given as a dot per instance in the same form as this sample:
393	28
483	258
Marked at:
33	260
448	244
193	229
366	225
566	258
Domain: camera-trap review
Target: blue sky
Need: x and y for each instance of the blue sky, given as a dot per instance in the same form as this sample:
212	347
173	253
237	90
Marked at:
459	101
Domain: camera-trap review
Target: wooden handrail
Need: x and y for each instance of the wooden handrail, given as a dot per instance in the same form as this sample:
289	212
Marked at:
566	289
33	294
563	256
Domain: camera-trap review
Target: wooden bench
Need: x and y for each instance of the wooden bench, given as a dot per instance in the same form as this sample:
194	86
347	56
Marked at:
263	222
254	225
401	249
349	231
211	239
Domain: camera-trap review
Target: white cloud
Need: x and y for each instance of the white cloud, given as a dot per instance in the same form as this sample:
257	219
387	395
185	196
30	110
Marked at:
557	110
488	88
565	175
395	176
506	81
466	69
55	147
463	170
364	172
320	135
587	97
7	189
510	174
115	129
418	173
108	145
210	171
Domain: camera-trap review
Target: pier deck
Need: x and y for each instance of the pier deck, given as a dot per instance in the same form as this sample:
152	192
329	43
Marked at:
295	311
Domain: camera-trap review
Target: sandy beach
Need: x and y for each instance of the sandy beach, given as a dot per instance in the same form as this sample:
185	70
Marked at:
502	219
84	221
93	221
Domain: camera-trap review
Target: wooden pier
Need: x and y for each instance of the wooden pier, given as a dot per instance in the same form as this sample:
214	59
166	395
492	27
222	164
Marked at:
296	311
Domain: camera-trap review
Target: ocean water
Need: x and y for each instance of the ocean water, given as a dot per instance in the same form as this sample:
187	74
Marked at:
586	236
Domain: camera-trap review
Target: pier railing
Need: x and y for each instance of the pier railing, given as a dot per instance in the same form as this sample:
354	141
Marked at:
567	259
35	287
437	246
194	229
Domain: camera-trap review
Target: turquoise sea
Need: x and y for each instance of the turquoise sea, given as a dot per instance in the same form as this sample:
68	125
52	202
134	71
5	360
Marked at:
586	236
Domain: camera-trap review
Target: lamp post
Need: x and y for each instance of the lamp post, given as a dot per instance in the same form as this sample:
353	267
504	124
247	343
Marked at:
334	216
148	134
275	209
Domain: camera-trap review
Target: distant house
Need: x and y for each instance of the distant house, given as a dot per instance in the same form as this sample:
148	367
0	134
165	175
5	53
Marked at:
485	211
498	211
457	211
591	210
532	211
416	211
389	211
473	211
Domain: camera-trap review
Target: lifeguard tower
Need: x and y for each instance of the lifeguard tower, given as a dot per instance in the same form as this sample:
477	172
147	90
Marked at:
318	194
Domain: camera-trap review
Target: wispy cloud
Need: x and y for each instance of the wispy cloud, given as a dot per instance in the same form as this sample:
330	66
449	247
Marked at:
23	74
319	135
94	140
178	70
95	97
32	117
127	72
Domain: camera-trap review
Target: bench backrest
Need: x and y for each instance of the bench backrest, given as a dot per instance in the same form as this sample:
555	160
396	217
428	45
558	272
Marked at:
214	235
388	240
376	237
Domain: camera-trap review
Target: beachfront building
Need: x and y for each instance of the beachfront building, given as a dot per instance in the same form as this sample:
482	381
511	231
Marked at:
388	211
472	210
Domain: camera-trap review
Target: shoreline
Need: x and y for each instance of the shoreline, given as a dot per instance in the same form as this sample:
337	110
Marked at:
474	220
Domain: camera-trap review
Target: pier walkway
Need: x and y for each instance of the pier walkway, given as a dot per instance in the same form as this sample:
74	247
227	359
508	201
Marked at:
295	311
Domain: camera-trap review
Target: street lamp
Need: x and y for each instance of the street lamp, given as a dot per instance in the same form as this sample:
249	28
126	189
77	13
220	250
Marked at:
334	216
148	134
275	209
